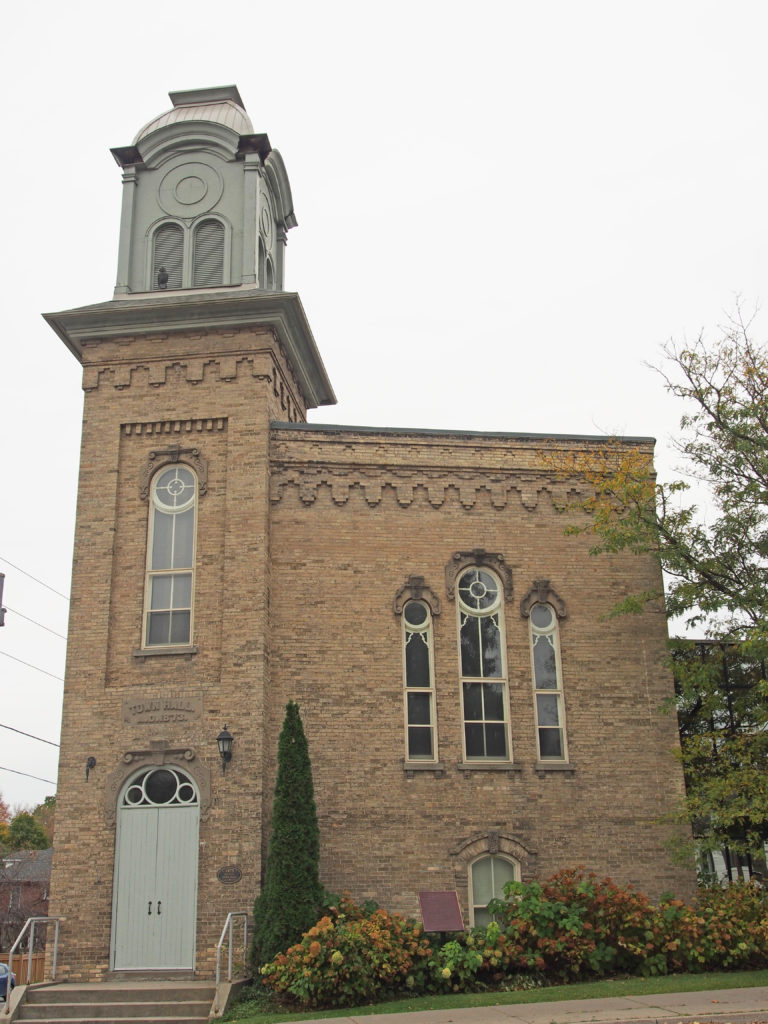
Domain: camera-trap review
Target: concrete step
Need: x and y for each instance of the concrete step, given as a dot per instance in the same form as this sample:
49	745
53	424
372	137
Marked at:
119	1003
152	1019
73	1011
118	992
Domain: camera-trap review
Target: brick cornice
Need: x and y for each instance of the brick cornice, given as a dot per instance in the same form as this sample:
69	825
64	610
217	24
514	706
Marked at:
436	487
186	311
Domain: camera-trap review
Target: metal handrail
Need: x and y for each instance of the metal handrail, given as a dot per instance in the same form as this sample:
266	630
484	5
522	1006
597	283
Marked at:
226	933
31	921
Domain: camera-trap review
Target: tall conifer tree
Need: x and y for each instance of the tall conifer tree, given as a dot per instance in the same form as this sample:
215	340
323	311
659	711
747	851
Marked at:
291	895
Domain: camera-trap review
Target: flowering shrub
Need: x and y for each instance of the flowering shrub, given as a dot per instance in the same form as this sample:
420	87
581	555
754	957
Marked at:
570	926
725	929
349	957
575	925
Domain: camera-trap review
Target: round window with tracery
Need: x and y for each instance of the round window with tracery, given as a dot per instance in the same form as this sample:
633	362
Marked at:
175	489
161	787
478	590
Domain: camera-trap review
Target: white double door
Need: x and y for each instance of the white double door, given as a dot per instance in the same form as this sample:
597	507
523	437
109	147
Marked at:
155	902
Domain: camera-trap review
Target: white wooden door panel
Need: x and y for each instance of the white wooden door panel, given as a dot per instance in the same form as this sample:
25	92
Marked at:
155	886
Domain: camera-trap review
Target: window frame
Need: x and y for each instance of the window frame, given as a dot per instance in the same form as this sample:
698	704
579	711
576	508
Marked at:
150	573
427	630
497	608
553	631
487	855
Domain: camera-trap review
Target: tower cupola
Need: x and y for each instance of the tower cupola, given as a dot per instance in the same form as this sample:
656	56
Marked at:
206	201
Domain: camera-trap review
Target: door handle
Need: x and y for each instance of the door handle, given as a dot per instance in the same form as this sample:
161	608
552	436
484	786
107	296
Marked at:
149	908
159	904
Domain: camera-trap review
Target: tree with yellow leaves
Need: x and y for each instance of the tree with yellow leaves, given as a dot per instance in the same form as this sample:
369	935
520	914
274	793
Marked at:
715	562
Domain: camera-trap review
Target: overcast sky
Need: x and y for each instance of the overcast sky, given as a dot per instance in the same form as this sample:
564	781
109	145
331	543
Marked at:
505	208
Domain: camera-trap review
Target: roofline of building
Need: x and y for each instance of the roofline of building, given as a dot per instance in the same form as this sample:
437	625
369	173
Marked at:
343	428
161	313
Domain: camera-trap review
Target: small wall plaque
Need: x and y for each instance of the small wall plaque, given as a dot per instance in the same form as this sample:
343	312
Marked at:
229	874
162	710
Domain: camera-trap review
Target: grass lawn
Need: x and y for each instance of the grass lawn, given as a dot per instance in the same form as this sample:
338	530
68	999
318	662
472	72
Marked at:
258	1011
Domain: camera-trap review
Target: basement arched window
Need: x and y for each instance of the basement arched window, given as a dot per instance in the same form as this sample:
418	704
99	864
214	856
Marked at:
487	877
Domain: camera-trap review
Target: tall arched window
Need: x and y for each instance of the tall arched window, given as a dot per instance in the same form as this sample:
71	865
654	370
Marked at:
171	558
487	878
208	257
419	677
483	666
547	684
167	257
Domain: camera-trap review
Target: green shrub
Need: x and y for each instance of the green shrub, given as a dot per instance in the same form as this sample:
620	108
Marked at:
454	967
291	897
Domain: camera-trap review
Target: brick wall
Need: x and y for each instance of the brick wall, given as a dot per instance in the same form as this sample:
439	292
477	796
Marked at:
305	536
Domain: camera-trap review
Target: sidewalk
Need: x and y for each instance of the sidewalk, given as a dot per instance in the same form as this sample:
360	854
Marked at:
736	1005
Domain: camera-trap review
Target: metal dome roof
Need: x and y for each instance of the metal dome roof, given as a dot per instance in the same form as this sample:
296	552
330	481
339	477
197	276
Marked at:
221	105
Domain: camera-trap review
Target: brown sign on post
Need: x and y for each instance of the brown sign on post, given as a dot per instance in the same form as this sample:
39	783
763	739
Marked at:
440	911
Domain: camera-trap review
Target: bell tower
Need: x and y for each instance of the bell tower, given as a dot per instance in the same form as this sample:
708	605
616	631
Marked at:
185	370
206	202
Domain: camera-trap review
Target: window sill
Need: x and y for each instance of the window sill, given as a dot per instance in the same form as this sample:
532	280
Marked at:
409	767
154	652
487	766
554	766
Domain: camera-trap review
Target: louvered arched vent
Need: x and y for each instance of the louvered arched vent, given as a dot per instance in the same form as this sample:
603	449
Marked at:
208	259
168	257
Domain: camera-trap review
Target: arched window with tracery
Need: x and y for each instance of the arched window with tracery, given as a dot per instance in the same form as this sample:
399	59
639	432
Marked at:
170	558
482	652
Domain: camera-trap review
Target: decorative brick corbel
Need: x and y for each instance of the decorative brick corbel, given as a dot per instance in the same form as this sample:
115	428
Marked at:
415	589
542	593
479	557
168	456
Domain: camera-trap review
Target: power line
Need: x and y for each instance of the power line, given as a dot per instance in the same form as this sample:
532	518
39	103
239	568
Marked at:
29	574
22	733
34	622
45	673
26	775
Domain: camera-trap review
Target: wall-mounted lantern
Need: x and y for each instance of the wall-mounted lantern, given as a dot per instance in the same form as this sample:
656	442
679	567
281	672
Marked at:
224	741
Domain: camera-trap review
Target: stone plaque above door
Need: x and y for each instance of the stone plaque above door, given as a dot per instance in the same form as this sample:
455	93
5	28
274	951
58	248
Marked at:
162	709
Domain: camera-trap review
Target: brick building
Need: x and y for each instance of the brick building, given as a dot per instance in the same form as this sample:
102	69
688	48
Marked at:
471	714
25	879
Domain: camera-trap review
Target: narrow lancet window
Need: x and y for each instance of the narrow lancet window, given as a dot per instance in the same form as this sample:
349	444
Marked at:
547	684
419	676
